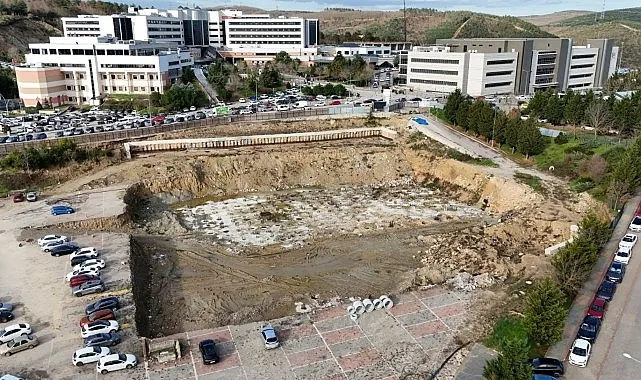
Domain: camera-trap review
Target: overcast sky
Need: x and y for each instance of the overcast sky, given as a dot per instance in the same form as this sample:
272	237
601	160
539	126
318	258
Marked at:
498	7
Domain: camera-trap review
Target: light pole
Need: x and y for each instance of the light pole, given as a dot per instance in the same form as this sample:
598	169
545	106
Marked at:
626	355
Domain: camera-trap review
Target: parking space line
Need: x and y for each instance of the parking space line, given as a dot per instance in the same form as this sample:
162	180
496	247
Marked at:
50	354
374	347
146	370
191	355
305	350
308	364
340	328
240	361
430	309
328	349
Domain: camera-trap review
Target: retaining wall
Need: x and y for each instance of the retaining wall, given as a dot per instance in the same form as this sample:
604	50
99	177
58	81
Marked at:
237	141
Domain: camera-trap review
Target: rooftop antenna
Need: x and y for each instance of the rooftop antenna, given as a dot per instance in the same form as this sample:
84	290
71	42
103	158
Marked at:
603	11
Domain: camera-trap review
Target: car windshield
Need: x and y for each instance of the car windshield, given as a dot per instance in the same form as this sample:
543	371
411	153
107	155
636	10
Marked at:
637	220
622	254
588	327
628	239
122	357
615	270
579	351
597	308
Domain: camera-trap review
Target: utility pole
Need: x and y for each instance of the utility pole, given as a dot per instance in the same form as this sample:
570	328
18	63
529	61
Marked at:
404	21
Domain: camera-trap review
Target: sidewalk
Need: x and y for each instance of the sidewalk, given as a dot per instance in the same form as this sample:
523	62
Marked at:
472	367
586	294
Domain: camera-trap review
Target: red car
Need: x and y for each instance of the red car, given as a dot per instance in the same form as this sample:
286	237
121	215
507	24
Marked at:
335	103
598	308
158	119
18	197
81	279
100	315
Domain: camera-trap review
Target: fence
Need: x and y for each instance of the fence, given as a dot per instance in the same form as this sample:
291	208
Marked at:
135	133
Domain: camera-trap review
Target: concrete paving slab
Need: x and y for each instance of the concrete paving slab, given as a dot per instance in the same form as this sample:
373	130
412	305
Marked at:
442	299
351	347
183	371
235	373
320	370
303	358
302	344
450	310
435	341
426	328
371	372
342	335
334	323
360	359
418	317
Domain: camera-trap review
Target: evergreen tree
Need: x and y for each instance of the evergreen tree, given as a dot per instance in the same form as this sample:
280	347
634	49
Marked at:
510	364
545	312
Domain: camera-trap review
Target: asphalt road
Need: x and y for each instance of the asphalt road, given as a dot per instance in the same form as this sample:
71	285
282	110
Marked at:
621	332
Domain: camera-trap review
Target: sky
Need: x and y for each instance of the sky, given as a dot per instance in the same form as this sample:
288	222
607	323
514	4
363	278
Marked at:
498	7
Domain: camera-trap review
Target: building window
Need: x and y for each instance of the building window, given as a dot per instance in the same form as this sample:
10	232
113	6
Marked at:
84	99
118	76
498	73
113	88
68	88
81	76
143	89
580	76
434	82
113	76
434	60
498	84
82	88
502	62
134	76
585	66
152	89
119	88
583	56
105	88
104	76
430	71
67	76
135	88
143	77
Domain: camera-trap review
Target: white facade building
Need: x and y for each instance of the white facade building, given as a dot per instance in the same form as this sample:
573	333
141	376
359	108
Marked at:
583	63
81	70
437	69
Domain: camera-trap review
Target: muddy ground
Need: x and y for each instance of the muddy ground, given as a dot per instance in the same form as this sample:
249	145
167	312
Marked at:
184	279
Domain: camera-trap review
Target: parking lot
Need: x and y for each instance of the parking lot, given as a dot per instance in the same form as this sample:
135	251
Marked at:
33	281
410	339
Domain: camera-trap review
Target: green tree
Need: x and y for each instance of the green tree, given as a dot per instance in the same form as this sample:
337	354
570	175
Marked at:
594	229
8	84
270	77
574	263
218	74
573	111
510	364
156	99
536	106
452	105
512	131
554	110
530	141
545	312
181	96
188	75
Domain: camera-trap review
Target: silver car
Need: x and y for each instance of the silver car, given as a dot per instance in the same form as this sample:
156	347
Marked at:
6	306
89	287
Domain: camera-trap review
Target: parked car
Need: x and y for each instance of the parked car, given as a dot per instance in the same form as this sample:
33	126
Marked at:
547	366
82	278
105	303
598	308
208	351
94	272
58	210
100	315
49	246
5	316
580	353
269	337
102	340
99	327
635	225
623	255
90	252
540	376
75	261
13	331
115	362
616	272
6	306
63	249
52	238
91	263
18	344
32	196
88	355
10	377
335	103
606	290
18	197
89	287
589	329
628	240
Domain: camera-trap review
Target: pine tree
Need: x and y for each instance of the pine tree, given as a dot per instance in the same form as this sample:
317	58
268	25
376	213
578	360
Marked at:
545	312
510	364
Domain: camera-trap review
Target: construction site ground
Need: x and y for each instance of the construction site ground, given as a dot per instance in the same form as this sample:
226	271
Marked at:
236	237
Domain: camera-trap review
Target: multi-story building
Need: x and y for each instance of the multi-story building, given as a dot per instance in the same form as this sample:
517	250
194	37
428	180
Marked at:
438	69
252	37
549	62
82	70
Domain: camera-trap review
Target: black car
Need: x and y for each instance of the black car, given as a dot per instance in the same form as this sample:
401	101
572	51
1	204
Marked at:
208	351
589	328
5	316
104	303
616	272
606	290
547	366
63	249
102	340
79	260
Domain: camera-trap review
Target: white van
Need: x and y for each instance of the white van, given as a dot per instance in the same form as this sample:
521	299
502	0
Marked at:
283	107
301	104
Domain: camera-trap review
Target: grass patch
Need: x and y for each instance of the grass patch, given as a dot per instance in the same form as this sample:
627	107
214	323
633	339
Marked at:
505	329
581	184
463	157
533	181
191	203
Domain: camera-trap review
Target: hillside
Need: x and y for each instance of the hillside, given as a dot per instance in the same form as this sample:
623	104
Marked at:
41	19
552	18
423	25
621	25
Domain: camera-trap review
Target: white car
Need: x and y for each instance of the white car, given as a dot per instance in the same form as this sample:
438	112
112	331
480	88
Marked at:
90	252
623	255
629	240
90	264
115	362
93	271
88	355
242	100
580	353
52	238
99	327
635	225
10	332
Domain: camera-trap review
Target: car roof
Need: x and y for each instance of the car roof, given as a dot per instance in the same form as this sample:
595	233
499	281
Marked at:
86	349
269	332
581	343
546	360
599	301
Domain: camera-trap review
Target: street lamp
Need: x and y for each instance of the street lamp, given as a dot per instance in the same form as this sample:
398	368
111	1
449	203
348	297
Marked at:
626	355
